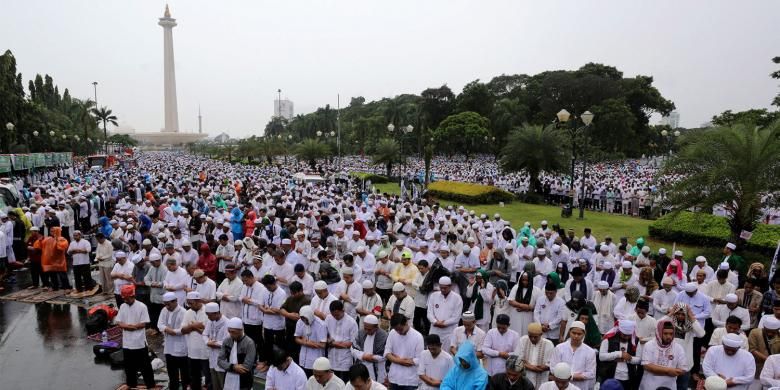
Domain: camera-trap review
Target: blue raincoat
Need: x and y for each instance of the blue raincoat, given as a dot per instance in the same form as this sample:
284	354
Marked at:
458	378
105	227
237	222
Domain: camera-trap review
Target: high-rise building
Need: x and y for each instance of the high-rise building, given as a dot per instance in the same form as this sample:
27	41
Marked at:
283	108
672	120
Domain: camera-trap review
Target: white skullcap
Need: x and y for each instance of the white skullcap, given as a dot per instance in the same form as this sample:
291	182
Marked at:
445	281
730	298
627	264
169	296
626	326
321	364
731	246
607	265
603	247
556	248
690	287
186	243
444	248
578	324
320	285
398	287
146	242
120	254
678	253
724	265
367	284
470	240
771	323
667	280
347	271
582	261
662	251
544	222
360	249
732	340
466	249
509	247
194	295
489	240
602	285
212	307
235	323
155	256
645	249
541	251
399	242
371	320
286	241
701	259
715	383
562	371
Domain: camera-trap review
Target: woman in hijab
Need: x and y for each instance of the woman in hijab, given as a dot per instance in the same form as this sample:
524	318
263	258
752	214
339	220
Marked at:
478	297
501	301
249	224
105	227
647	284
608	274
522	299
573	309
467	372
237	223
555	278
675	272
562	270
686	328
207	261
758	272
329	275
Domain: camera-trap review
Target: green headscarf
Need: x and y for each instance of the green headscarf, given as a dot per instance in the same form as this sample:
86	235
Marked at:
556	279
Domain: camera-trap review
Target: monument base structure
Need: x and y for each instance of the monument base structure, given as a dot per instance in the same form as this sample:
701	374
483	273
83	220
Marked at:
167	138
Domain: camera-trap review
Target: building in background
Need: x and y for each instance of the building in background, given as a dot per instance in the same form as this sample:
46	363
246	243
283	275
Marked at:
284	108
672	120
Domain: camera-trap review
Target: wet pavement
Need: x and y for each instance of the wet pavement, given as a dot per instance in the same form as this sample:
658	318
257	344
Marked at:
45	346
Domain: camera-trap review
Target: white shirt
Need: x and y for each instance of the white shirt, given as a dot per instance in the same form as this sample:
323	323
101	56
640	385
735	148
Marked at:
174	345
435	368
374	386
215	331
250	313
178	280
196	346
133	314
408	346
80	258
319	333
126	269
341	330
406	307
721	312
494	343
552	386
662	301
770	374
307	282
322	305
621	369
582	361
675	358
230	290
741	367
550	313
275	300
207	290
447	309
459	336
291	378
354	291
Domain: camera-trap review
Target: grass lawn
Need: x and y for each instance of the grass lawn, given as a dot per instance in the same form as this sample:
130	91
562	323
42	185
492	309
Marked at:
602	224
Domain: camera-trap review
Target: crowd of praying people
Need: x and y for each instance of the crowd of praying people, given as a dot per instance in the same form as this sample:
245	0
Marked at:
250	275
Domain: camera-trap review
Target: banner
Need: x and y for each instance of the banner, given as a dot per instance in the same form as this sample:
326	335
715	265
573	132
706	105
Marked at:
773	268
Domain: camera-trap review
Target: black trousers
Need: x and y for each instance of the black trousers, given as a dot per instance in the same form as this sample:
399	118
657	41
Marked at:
58	280
178	371
199	368
293	348
421	323
37	276
272	337
154	314
82	277
120	301
255	332
138	360
384	293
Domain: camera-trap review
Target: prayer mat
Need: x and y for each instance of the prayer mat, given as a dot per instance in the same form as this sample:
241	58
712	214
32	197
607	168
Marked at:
21	294
43	297
114	334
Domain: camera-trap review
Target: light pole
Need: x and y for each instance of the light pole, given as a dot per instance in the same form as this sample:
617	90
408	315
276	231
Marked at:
279	103
670	138
563	117
10	127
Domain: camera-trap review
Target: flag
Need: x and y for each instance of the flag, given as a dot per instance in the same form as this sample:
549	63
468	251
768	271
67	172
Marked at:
773	268
745	235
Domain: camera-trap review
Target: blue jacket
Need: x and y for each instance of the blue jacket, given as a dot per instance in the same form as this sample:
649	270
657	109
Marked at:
458	378
236	221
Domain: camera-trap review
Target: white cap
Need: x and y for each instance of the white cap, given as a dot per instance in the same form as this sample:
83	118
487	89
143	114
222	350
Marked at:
193	295
724	265
678	254
715	383
662	251
320	285
367	284
169	296
772	323
445	281
360	249
398	287
186	243
286	241
146	242
120	254
235	323
541	251
627	264
730	298
399	243
544	222
690	287
731	246
578	324
602	285
607	265
732	340
556	248
212	307
562	371
371	320
701	259
626	326
321	364
347	271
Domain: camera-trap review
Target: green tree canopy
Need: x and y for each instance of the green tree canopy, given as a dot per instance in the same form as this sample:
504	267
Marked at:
535	149
759	116
310	150
732	166
462	133
387	153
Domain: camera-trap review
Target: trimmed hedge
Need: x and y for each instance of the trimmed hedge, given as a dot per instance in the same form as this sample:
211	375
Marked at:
370	176
709	230
468	193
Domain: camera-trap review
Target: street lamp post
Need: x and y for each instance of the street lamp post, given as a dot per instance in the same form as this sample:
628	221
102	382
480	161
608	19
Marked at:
670	138
10	127
563	116
402	131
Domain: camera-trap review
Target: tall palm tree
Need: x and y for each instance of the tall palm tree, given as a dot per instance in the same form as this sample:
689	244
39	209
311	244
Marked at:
535	149
103	114
310	150
387	153
734	166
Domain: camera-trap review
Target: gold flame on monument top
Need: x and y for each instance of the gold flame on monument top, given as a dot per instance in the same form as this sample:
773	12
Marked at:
167	11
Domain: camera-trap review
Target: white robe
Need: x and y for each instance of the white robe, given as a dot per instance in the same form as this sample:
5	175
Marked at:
651	354
741	367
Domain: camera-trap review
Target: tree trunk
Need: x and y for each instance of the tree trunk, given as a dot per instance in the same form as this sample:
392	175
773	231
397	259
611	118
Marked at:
428	156
389	167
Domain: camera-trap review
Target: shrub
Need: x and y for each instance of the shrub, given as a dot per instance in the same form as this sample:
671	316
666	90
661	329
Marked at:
709	230
468	193
376	179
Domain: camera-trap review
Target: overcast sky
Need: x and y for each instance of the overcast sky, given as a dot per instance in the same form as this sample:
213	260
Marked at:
232	56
